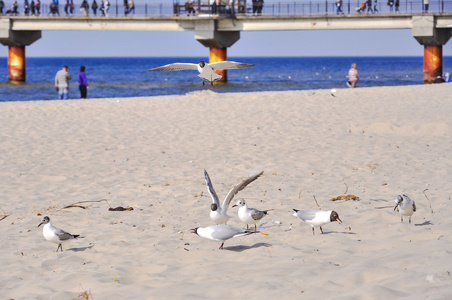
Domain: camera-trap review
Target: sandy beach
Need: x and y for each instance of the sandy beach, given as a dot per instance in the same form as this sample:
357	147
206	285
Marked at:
150	154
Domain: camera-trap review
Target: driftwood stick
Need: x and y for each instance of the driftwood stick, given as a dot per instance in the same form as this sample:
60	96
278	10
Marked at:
80	202
346	190
316	202
5	215
428	200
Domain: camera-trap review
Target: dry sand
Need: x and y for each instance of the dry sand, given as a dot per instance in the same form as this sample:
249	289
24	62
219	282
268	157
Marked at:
150	154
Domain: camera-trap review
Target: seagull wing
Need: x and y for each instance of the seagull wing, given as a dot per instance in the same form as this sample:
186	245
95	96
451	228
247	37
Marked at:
307	214
176	67
63	235
223	65
257	214
237	189
212	192
225	232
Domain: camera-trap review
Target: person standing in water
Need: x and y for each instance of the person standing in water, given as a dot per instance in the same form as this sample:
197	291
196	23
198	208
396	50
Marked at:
353	76
83	83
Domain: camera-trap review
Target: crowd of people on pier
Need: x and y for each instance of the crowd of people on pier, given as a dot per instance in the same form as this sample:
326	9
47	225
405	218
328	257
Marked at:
33	8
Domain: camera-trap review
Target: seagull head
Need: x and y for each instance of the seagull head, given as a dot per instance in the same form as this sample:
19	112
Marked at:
202	64
240	203
194	230
213	207
398	201
44	221
335	217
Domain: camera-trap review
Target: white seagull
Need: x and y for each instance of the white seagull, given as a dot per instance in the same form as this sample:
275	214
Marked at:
315	217
206	71
249	215
55	235
218	213
405	206
220	232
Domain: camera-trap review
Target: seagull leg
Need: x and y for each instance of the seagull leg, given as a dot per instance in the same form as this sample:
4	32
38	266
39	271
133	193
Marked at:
60	246
313	231
401	219
203	83
221	247
211	83
246	226
321	229
410	220
255	228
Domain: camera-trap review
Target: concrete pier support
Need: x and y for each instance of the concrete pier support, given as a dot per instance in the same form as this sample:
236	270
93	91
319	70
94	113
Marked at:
219	54
16	64
16	41
217	41
433	39
433	63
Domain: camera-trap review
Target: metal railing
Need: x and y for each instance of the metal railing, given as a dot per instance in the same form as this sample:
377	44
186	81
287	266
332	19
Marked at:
295	8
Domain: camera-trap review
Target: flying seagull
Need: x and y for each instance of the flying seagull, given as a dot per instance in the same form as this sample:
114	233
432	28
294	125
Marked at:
206	71
218	213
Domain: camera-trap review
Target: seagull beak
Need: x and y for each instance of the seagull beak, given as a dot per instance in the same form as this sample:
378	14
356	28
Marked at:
40	224
234	205
339	220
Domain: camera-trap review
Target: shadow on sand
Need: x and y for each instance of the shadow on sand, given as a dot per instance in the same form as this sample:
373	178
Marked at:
243	248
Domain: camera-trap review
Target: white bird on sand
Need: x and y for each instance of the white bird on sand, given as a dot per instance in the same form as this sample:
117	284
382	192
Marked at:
315	217
218	213
206	70
220	232
55	235
249	215
405	206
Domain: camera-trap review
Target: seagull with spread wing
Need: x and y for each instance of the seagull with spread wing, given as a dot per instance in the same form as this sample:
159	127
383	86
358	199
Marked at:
206	71
218	213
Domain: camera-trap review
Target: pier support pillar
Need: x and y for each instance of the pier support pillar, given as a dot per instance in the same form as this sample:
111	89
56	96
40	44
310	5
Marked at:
16	64
433	63
16	41
433	39
216	41
216	55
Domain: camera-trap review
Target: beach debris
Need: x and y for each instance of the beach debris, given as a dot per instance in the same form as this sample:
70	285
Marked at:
81	206
4	216
428	199
332	92
115	280
316	202
120	208
84	296
346	198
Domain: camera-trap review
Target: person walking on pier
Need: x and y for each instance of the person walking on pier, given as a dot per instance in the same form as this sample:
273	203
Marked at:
33	7
38	7
131	7
83	83
339	7
2	5
62	78
15	8
426	3
126	7
353	76
107	7
375	6
369	6
391	4
94	7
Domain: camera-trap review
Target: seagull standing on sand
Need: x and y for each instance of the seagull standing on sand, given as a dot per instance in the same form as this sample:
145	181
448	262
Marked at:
220	232
218	213
315	217
55	235
249	215
206	71
405	206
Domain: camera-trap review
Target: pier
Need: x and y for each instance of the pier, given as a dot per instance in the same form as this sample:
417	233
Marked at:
219	28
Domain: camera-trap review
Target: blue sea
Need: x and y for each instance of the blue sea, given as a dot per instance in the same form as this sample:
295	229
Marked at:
127	77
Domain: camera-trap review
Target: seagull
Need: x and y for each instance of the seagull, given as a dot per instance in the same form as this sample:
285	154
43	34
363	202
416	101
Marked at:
249	215
55	235
206	71
405	206
218	213
220	232
315	217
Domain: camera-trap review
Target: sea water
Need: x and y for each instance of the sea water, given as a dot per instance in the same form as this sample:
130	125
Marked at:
128	77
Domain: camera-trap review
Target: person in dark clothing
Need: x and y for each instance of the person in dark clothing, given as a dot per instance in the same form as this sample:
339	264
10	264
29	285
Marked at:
369	6
94	7
83	83
38	7
33	7
2	5
397	4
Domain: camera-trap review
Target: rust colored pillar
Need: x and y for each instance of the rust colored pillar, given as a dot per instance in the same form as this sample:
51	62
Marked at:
219	54
16	64
433	62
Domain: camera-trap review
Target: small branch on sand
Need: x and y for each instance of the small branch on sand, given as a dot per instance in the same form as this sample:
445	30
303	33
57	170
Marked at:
428	200
299	194
84	207
346	190
316	202
381	207
181	239
5	215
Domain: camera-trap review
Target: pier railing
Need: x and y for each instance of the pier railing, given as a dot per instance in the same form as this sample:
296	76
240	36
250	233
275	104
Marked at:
245	8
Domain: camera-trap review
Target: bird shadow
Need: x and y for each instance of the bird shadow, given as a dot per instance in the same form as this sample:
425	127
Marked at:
243	248
424	224
80	249
335	232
